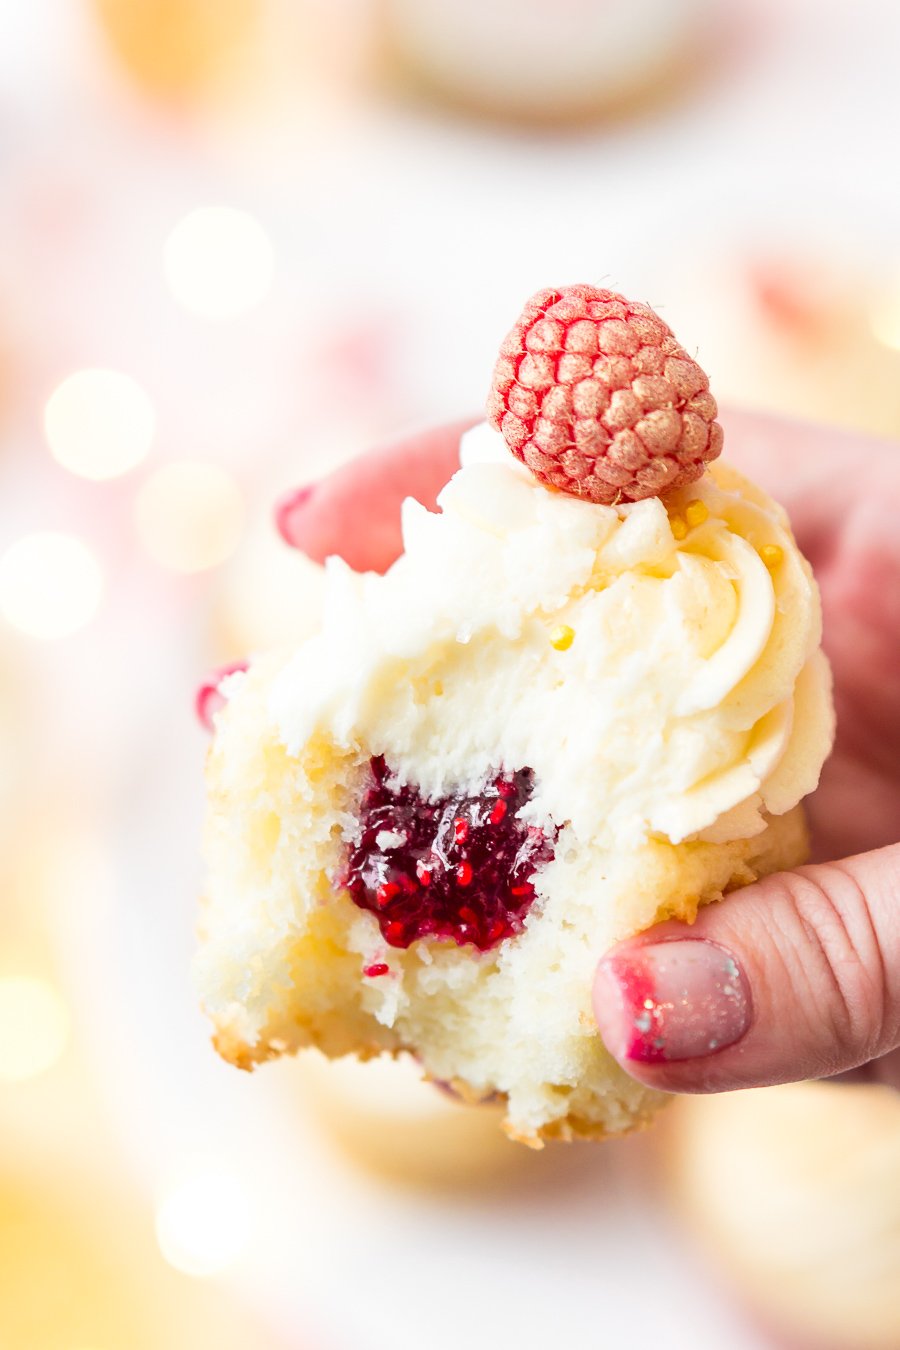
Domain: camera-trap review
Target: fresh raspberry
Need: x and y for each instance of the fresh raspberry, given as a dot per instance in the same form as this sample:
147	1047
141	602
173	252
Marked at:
594	393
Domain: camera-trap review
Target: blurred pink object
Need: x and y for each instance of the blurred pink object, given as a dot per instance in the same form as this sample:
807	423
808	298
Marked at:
809	334
210	698
286	512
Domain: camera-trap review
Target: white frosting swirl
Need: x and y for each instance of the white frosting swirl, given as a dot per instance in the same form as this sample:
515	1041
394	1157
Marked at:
693	696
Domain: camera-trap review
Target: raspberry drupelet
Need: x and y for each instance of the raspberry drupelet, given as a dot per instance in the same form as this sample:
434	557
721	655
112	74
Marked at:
597	397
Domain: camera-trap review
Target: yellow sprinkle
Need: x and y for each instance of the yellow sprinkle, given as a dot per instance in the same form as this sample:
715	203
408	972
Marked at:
679	529
771	555
438	688
696	512
562	637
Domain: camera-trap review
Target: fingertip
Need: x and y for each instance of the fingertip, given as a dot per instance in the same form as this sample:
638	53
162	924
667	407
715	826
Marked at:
212	695
289	514
610	1011
355	511
667	1005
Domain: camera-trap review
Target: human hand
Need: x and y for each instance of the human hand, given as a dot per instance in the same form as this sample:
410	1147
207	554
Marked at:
797	976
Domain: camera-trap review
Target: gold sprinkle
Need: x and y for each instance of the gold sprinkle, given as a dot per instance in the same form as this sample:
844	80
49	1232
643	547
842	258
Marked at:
696	512
562	637
771	555
679	528
438	688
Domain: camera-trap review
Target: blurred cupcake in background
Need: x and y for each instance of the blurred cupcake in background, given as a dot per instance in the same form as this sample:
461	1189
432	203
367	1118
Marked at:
530	62
175	48
213	55
386	1118
794	1194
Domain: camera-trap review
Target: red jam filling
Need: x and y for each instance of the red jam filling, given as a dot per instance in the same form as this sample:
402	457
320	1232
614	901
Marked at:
457	867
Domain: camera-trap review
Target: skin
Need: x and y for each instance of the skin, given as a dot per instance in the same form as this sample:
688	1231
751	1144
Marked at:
819	946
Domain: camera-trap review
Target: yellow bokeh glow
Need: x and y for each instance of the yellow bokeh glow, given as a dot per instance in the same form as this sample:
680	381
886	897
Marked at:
884	317
50	584
34	1027
218	262
203	1223
190	515
99	423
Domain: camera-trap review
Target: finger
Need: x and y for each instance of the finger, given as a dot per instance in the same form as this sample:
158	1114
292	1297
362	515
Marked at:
355	512
797	976
212	694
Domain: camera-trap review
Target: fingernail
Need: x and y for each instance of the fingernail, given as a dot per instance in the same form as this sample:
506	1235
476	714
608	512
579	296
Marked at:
666	1001
210	699
289	514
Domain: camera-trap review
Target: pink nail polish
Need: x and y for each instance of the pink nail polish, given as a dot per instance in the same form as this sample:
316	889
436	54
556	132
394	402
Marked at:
209	698
665	1001
288	511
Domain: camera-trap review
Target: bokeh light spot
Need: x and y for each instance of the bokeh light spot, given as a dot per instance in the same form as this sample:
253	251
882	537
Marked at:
203	1223
99	423
884	317
190	515
50	584
218	262
34	1027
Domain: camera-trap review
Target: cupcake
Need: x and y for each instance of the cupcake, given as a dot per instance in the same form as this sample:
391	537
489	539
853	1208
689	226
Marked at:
386	1118
535	64
573	707
807	1230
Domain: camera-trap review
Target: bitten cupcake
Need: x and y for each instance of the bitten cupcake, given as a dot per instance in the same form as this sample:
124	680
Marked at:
588	696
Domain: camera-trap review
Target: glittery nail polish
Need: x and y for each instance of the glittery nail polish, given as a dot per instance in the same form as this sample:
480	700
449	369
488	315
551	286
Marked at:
674	1000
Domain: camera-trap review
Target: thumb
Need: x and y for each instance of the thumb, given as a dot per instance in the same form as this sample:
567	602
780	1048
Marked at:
797	976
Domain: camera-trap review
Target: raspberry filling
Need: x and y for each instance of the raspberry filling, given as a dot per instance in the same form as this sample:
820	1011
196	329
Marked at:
456	867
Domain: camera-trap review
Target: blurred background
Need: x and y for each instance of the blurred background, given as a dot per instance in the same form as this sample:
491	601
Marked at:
241	240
